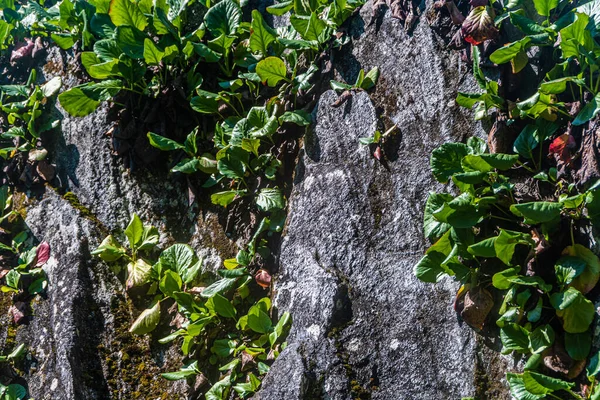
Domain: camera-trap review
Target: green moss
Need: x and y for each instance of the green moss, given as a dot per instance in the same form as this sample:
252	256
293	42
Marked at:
85	212
128	360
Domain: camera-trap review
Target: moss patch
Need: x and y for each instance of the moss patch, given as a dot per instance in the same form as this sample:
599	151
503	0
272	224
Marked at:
128	361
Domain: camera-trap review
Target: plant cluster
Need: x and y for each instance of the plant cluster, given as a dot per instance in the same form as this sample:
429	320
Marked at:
512	231
244	85
225	328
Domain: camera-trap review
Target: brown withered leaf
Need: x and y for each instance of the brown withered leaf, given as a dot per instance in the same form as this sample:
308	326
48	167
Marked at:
541	244
477	305
455	14
3	272
196	290
263	278
346	94
590	156
247	361
558	360
46	170
479	25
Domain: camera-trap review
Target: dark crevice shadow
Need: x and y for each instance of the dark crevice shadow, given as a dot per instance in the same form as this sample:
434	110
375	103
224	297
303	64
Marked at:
88	377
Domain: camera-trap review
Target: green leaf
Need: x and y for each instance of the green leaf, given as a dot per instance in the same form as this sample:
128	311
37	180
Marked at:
543	7
233	163
298	117
558	86
485	248
261	35
187	166
568	268
309	28
446	160
509	51
84	99
488	162
541	338
180	258
138	273
270	199
586	280
370	79
127	12
259	321
518	390
538	383
280	8
578	345
220	286
501	280
12	279
221	306
271	70
107	50
537	212
131	40
506	243
134	231
109	250
163	143
152	54
63	40
170	282
588	112
593	368
575	311
185	371
147	321
514	338
526	25
224	198
205	103
431	226
223	18
526	142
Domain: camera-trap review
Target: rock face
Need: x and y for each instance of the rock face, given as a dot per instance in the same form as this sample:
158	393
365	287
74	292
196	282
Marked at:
364	326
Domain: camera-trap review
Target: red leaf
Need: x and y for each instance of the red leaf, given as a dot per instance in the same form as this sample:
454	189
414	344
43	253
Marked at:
562	146
42	254
479	25
17	311
377	153
22	50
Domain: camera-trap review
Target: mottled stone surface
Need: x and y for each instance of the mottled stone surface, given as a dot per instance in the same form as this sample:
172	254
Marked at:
364	326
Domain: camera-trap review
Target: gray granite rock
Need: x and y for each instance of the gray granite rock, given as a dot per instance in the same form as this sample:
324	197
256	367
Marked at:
364	326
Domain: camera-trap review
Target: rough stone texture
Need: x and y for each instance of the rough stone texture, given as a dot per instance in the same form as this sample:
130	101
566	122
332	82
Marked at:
364	326
77	336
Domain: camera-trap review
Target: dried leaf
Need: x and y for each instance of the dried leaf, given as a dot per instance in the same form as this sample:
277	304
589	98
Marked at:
479	25
42	254
247	361
455	14
346	94
263	278
477	306
45	170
